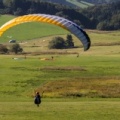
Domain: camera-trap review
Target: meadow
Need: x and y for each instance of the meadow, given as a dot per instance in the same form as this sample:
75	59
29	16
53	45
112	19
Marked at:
61	109
85	87
81	4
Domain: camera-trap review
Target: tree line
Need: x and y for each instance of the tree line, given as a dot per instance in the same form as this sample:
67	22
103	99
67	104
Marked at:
22	7
55	43
102	17
13	48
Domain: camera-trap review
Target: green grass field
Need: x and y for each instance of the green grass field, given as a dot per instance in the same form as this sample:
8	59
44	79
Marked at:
81	4
61	109
80	88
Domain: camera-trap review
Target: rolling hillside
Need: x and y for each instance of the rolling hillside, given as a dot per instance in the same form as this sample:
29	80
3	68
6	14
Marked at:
81	3
72	3
98	1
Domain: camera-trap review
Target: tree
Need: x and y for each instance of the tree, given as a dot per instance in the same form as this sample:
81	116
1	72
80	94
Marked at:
115	21
18	12
69	42
60	43
1	3
16	48
7	3
57	43
3	49
104	25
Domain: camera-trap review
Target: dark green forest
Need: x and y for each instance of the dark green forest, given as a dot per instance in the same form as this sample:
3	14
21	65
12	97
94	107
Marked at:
101	16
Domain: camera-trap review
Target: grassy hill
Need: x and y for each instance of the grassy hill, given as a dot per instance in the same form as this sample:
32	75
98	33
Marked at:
65	68
81	4
72	3
84	87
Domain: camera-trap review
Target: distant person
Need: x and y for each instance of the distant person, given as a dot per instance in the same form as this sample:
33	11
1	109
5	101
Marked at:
52	57
77	55
37	99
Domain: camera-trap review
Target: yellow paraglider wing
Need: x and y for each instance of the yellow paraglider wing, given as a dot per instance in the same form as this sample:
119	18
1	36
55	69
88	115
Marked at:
59	21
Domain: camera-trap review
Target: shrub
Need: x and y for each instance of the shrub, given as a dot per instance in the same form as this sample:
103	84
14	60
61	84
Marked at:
69	41
3	49
60	43
57	43
16	48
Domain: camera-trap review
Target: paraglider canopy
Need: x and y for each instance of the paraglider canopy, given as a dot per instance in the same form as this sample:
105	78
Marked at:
52	19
